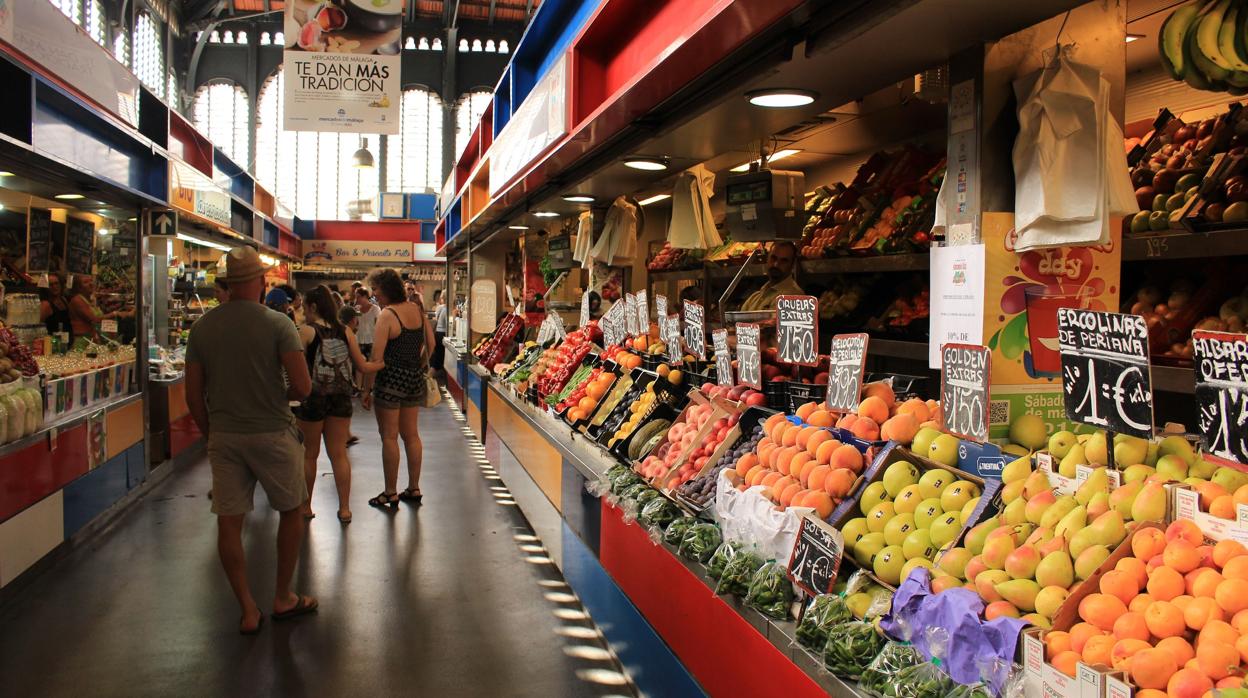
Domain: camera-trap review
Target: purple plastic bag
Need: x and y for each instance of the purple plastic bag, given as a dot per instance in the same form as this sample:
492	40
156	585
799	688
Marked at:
958	610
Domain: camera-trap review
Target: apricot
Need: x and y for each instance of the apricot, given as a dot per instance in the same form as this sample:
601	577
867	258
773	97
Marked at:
1055	642
1139	603
1102	610
847	457
1164	584
1152	668
1080	633
1200	611
1131	626
1232	595
1240	622
1186	683
820	418
1181	556
1219	633
1184	529
1164	619
1203	581
1097	649
1136	568
1223	507
1146	543
1217	661
1065	662
1182	601
1120	584
1123	650
1230	682
1227	549
1236	568
1208	492
1241	646
1179	648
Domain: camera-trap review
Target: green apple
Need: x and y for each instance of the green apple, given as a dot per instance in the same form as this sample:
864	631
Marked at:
872	495
927	513
934	482
957	495
946	528
944	449
899	476
923	440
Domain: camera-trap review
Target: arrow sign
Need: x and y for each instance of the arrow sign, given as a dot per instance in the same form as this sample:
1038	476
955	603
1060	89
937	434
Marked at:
164	223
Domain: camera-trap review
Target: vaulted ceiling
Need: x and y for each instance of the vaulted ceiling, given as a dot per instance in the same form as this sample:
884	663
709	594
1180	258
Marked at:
448	12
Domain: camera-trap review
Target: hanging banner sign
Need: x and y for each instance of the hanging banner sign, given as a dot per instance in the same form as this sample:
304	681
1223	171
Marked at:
342	66
723	358
846	359
672	338
797	333
585	309
643	312
660	311
749	366
1222	392
339	251
965	379
695	329
1105	372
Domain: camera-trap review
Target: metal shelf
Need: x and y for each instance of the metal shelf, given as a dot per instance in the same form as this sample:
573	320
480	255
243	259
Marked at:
1180	244
1173	379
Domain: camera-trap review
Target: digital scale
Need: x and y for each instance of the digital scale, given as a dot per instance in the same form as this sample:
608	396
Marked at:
766	205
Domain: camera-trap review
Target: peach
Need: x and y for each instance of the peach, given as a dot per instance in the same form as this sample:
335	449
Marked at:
901	428
866	429
824	453
1227	549
821	503
1152	668
846	421
815	479
804	410
820	418
915	408
848	458
1179	648
1102	610
815	440
839	482
873	408
882	392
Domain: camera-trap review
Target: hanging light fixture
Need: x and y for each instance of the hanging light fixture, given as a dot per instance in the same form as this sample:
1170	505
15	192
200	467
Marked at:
363	159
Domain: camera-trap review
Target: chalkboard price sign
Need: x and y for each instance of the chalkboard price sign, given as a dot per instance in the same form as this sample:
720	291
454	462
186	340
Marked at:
585	309
964	389
1105	372
660	309
79	245
38	240
816	557
1222	392
797	333
749	367
672	338
643	313
695	329
723	358
848	353
613	325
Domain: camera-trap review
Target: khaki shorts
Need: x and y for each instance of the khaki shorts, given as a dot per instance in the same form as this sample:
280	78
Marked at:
239	461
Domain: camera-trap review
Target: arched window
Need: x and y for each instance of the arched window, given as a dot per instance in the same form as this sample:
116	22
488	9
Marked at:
502	46
221	111
149	54
414	157
265	39
121	48
307	171
437	44
172	92
71	9
468	111
96	21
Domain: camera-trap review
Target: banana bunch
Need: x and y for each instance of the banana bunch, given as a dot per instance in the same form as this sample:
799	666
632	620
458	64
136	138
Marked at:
1205	44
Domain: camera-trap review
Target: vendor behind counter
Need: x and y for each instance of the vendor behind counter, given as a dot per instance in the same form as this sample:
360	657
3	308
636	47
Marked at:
781	268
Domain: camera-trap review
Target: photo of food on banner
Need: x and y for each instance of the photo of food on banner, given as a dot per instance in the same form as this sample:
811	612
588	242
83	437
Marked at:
345	26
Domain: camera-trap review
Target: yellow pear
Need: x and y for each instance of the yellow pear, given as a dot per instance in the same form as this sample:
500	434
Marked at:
1096	450
1098	481
1150	503
1017	469
1012	491
1063	506
1073	458
1072	522
1036	483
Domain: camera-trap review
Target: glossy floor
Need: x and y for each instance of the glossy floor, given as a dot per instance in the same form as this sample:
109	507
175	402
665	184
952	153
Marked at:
438	600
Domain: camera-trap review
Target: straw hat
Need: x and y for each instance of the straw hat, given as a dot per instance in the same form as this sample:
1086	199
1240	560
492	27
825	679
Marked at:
243	264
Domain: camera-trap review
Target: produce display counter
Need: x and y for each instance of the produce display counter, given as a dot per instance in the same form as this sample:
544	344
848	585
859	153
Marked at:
173	431
675	637
476	378
454	365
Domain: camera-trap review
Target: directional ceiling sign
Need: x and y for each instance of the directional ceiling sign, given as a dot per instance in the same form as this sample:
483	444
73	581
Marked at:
163	222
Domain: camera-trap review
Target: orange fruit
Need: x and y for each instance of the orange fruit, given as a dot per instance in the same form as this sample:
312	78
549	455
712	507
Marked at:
1137	569
789	437
1183	529
1139	603
1200	611
815	480
1236	567
1179	648
1181	556
1188	683
1232	595
1223	507
1164	619
820	418
808	466
804	410
1240	622
1120	584
866	429
1055	642
848	457
1080	633
1217	661
1124	650
1065	663
1227	549
874	408
1102	610
1203	582
1131	626
1241	646
815	440
1164	584
1152	668
824	453
839	482
1097	649
1146	542
1218	632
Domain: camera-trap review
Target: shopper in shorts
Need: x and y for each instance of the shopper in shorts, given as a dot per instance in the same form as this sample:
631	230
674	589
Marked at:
236	394
331	352
402	340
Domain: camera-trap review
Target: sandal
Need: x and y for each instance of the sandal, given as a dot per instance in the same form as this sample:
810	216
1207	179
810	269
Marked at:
353	441
385	499
411	495
305	605
255	630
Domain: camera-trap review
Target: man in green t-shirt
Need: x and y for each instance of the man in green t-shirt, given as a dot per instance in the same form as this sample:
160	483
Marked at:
235	359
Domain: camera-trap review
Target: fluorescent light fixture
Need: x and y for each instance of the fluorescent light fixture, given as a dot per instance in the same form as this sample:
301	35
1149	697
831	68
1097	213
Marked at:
778	155
579	198
654	199
518	227
546	214
267	260
1134	37
5	173
648	164
204	243
781	97
69	197
104	231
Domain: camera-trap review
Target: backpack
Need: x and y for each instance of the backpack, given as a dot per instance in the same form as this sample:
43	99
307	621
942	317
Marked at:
329	362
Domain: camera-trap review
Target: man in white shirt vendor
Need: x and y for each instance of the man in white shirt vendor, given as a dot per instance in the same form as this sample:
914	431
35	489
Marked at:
781	266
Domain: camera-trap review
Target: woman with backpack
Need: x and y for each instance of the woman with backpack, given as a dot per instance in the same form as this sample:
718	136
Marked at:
333	355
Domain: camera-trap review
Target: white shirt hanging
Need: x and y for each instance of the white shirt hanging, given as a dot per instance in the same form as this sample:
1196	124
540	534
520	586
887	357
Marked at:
693	225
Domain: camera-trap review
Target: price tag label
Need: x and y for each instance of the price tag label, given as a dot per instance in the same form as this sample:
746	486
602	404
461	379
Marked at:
660	308
846	359
552	328
797	333
1105	372
723	358
643	313
695	329
613	325
108	326
749	366
630	314
964	389
672	338
585	309
1222	392
816	556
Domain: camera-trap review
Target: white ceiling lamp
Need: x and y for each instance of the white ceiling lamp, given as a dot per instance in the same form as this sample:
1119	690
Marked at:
203	243
363	159
68	197
654	199
518	227
578	198
648	164
781	97
546	214
778	155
